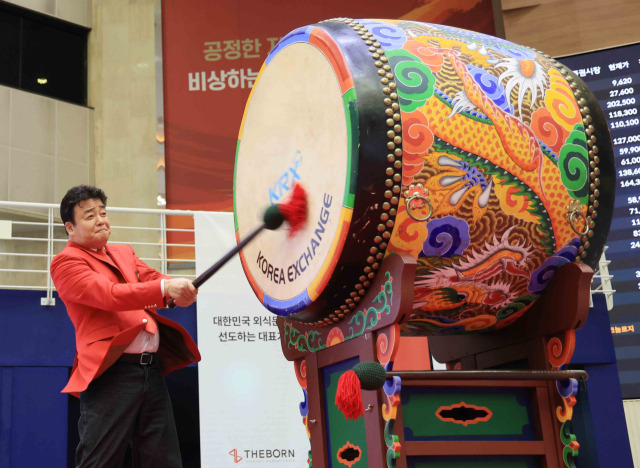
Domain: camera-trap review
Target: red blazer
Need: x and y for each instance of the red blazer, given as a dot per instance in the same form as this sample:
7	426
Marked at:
110	299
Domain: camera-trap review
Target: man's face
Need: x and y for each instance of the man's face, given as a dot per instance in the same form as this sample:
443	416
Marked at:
91	228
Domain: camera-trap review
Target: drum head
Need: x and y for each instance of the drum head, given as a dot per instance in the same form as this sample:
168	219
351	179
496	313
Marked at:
296	129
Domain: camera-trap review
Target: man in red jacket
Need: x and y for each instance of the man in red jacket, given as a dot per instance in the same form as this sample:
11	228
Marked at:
124	348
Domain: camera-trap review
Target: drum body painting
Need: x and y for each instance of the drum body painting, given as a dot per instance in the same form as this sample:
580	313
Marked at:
488	162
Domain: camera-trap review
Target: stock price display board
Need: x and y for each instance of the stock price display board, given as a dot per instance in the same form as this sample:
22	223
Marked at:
614	77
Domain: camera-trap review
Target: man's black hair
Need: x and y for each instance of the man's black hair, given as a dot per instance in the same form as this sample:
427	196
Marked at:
78	194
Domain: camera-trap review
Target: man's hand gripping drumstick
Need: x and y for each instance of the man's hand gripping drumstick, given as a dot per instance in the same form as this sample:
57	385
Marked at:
294	212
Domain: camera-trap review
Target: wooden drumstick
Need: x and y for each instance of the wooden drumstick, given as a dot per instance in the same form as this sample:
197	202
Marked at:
294	212
370	375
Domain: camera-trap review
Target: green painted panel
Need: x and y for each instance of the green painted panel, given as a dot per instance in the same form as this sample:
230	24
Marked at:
353	144
339	430
511	417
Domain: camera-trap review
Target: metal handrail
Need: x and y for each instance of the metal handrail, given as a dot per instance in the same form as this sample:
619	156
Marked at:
115	209
602	273
49	224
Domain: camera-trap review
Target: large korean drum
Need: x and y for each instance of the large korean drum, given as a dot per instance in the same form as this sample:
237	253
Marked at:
488	162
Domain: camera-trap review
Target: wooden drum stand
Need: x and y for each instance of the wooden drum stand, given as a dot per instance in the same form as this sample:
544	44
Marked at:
506	402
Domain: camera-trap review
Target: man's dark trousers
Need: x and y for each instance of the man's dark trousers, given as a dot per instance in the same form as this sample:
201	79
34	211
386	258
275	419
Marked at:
127	405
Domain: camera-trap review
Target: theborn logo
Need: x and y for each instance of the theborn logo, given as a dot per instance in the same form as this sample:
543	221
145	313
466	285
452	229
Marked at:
286	180
236	458
263	455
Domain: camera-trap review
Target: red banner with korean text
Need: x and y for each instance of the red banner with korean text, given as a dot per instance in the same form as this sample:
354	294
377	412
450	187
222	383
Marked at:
212	54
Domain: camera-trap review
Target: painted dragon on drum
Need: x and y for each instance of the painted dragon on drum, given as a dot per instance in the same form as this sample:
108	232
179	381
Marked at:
495	138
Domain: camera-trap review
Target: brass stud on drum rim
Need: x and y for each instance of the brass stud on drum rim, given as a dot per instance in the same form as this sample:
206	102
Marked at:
593	164
394	174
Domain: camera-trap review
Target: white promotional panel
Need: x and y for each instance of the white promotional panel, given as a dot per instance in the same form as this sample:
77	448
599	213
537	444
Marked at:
249	395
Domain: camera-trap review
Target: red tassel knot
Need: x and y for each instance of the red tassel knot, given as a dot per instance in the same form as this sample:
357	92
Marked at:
349	396
294	211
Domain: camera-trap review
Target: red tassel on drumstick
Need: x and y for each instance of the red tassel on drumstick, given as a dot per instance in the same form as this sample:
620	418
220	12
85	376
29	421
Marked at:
294	211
